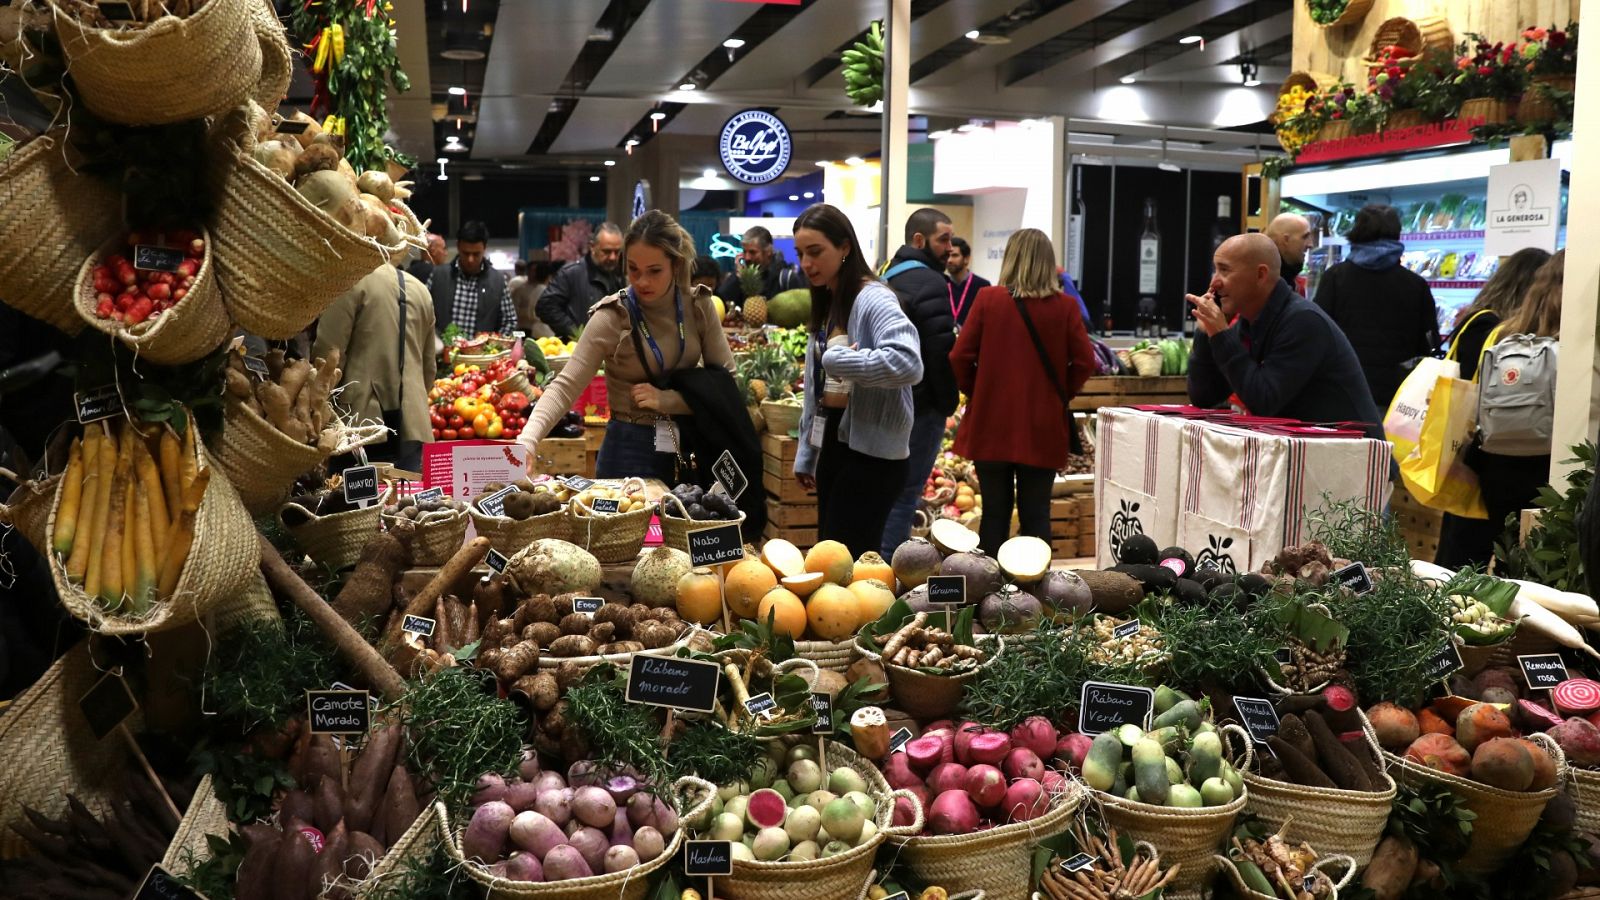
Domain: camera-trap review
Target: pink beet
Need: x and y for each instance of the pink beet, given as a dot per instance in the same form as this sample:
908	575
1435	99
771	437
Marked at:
963	741
925	753
943	725
1023	763
1054	782
1025	799
904	811
1071	750
952	812
990	747
947	777
897	771
1037	734
986	785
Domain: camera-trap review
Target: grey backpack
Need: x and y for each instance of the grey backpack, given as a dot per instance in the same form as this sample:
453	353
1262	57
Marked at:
1517	395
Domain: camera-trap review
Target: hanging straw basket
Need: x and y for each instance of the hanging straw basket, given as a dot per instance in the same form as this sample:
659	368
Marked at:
1189	837
996	861
280	260
223	557
1354	12
1416	35
919	694
1537	106
1584	786
191	329
1485	111
510	536
676	527
1404	118
170	70
610	537
1310	82
50	751
1347	865
253	604
28	509
335	541
434	537
841	877
55	217
1331	820
277	62
1336	130
1504	818
631	884
263	462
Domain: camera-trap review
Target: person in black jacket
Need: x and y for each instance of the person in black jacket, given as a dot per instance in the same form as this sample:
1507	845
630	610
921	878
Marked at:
917	275
777	275
1283	356
469	292
1385	309
565	303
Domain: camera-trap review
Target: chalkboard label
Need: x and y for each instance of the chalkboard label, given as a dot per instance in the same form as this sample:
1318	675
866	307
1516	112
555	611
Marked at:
159	884
1258	716
1354	577
899	739
338	712
577	482
715	546
706	858
1126	629
1308	884
822	705
1283	655
589	605
430	495
497	561
670	681
947	589
98	403
361	485
495	503
898	895
1444	663
1078	863
291	126
418	625
1543	671
759	704
605	504
156	259
729	475
108	704
1103	706
116	10
258	366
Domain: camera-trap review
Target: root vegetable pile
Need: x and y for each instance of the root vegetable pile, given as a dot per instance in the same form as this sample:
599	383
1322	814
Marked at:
1278	868
127	513
313	161
294	397
1109	877
919	646
1144	647
528	500
135	296
544	624
1308	668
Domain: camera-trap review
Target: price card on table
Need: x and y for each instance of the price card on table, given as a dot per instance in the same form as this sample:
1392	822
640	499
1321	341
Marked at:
1126	629
289	126
587	605
156	259
421	625
496	560
822	705
1078	863
706	858
670	681
951	589
605	504
97	403
760	704
715	546
576	482
257	367
1103	705
361	485
159	884
1258	716
338	712
1543	671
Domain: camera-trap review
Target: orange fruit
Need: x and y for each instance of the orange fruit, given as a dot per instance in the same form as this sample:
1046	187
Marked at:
788	613
832	559
873	598
833	613
748	581
700	597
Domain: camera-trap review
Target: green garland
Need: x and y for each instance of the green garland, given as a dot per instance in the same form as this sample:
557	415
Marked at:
352	85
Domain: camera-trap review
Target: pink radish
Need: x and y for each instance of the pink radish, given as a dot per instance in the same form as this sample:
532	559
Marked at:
1023	763
986	785
963	741
947	777
925	753
990	747
1037	734
952	812
897	771
1071	750
1025	799
766	809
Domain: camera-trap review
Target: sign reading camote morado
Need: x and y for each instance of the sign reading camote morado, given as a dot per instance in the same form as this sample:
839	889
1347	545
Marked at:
1103	706
755	146
338	712
669	681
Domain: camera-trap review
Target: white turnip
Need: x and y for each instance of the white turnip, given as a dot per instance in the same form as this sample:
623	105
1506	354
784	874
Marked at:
648	843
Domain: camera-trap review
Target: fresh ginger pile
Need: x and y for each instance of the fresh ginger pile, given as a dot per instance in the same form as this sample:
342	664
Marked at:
293	397
918	646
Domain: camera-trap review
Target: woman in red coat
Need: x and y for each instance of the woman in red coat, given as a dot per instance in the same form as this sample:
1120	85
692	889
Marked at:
1016	428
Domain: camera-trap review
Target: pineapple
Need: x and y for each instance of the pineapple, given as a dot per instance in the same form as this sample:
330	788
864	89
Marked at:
755	303
758	389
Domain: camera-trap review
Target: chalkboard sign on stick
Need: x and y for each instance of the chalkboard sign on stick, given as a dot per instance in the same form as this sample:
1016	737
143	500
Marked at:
706	858
673	682
715	546
338	712
1543	671
951	589
1259	717
159	884
1103	706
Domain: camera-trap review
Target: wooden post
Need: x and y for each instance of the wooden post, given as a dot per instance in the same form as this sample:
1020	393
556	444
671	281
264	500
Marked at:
1575	380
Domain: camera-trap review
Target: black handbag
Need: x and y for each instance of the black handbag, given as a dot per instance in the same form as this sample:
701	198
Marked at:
392	418
1074	440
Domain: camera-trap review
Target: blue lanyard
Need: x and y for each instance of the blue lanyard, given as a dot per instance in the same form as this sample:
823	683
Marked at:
637	317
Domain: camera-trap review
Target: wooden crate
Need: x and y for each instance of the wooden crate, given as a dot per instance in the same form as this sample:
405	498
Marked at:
791	515
564	456
1131	390
780	447
786	490
1071	485
800	537
1086	544
1064	548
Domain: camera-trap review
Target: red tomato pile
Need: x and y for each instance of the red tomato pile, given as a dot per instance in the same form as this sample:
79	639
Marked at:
131	295
467	405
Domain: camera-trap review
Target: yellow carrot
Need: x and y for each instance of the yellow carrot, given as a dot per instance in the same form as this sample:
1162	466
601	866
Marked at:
78	562
71	499
180	534
150	480
144	583
130	530
94	575
111	562
171	480
186	463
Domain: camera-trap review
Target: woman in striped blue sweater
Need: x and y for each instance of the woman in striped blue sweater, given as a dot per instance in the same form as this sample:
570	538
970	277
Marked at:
861	361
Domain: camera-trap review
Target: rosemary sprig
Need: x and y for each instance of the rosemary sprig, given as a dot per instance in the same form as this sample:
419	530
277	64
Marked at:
1394	629
1218	648
260	672
1040	674
715	753
457	731
617	731
1351	531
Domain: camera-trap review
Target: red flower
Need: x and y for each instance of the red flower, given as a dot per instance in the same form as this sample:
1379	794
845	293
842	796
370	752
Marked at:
1558	39
1485	71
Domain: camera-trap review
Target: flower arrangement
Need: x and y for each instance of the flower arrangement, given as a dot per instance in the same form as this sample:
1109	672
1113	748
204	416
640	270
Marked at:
1424	83
1293	127
1550	51
1491	71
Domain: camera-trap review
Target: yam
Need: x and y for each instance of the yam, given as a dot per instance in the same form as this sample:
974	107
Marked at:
603	633
367	777
1300	770
1391	870
576	623
400	807
543	632
1112	592
1292	728
368	592
574	645
1334	759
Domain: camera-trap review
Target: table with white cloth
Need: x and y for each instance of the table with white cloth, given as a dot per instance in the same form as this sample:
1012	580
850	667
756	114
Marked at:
1231	492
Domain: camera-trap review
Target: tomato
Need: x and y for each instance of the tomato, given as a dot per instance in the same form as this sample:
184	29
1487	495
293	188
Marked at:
515	401
448	434
480	422
437	432
436	420
495	430
467	407
466	433
457	422
460	369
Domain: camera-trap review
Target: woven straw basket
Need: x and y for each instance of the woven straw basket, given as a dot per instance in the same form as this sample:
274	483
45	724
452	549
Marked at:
1416	35
1330	820
434	539
55	218
511	536
170	70
280	260
1336	130
277	63
1354	12
191	329
261	461
253	604
548	663
996	861
842	877
1537	106
835	656
1584	786
610	537
1505	818
919	694
1345	863
28	509
223	556
1189	837
629	885
781	418
50	751
675	528
1486	111
335	541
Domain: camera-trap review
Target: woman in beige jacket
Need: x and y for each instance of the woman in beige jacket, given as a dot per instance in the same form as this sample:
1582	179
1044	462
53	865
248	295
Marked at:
677	328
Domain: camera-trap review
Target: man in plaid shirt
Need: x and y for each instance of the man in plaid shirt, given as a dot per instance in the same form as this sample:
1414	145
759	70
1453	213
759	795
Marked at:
469	291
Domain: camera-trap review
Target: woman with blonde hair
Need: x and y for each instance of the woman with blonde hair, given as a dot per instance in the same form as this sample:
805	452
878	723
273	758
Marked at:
1021	357
656	325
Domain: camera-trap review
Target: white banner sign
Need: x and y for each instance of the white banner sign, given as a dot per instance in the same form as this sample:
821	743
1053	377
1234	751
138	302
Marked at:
1524	207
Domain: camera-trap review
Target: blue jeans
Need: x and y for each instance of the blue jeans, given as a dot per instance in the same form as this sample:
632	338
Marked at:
630	449
927	431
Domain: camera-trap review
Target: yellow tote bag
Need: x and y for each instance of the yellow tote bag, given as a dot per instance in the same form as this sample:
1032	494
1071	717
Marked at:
1435	470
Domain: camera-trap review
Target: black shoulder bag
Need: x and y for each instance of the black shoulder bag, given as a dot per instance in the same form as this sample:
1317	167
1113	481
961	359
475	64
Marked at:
1074	441
392	419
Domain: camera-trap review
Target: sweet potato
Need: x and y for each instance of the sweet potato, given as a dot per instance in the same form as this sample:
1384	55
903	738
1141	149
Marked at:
1393	864
369	778
400	807
329	864
291	868
322	761
255	874
328	805
365	851
297	804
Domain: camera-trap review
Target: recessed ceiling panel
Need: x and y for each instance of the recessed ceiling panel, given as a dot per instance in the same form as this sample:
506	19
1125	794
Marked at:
667	41
534	46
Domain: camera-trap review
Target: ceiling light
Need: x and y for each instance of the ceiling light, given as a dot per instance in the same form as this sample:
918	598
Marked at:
452	141
633	142
824	163
733	43
708	173
1127	79
1190	39
853	161
455	148
687	86
1168	166
969	126
809	194
939	135
974	34
443	177
1250	71
602	34
658	115
793	197
441	160
457	91
611	162
594	177
1252	82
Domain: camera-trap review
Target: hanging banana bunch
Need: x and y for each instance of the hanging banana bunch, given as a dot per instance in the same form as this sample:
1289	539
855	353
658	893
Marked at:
863	68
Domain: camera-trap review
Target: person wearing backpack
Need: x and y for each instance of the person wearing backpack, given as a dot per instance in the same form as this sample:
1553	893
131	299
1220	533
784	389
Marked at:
1516	399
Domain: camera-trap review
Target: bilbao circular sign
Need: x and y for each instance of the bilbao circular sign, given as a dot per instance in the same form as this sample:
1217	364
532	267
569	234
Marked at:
755	146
